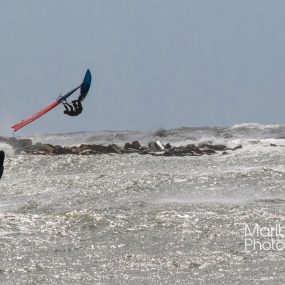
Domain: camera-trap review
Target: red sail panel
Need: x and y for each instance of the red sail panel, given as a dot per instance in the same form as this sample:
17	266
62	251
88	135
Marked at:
27	121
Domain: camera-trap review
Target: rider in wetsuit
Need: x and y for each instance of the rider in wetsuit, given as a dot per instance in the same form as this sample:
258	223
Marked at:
73	110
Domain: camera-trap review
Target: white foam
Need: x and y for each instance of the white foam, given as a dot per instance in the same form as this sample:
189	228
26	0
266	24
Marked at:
7	148
254	126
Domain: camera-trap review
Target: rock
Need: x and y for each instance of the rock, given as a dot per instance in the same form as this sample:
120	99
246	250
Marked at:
237	147
47	148
38	148
168	146
193	148
272	144
214	147
114	149
62	150
95	147
75	149
208	151
136	145
128	146
180	151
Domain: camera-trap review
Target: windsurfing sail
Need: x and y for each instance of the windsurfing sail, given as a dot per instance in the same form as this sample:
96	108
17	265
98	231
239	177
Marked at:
85	85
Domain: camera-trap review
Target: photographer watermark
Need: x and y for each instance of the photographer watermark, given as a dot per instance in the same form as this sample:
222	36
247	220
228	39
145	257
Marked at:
265	238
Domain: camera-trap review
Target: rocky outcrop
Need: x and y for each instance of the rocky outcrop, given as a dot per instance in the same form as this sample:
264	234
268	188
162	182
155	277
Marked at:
155	148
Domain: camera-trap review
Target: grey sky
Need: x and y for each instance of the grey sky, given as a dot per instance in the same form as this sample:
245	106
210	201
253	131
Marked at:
155	63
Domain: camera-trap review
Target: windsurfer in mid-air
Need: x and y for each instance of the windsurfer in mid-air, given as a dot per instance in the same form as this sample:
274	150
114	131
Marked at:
76	108
72	110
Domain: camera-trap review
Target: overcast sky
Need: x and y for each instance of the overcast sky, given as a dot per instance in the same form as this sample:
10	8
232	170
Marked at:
155	63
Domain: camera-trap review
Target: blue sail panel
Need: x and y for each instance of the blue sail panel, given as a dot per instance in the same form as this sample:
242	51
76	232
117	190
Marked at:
85	85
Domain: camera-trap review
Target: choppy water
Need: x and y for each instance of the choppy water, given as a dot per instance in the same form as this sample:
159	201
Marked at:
131	219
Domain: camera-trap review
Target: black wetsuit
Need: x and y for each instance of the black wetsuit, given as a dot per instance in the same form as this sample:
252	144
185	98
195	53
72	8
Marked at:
2	157
73	110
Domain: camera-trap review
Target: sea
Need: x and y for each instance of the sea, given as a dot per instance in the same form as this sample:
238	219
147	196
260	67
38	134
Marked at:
142	219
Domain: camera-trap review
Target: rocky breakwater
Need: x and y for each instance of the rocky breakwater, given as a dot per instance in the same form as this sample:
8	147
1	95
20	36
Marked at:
153	148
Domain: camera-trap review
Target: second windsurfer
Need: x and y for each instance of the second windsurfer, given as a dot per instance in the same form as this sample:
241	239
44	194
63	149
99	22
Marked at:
2	157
